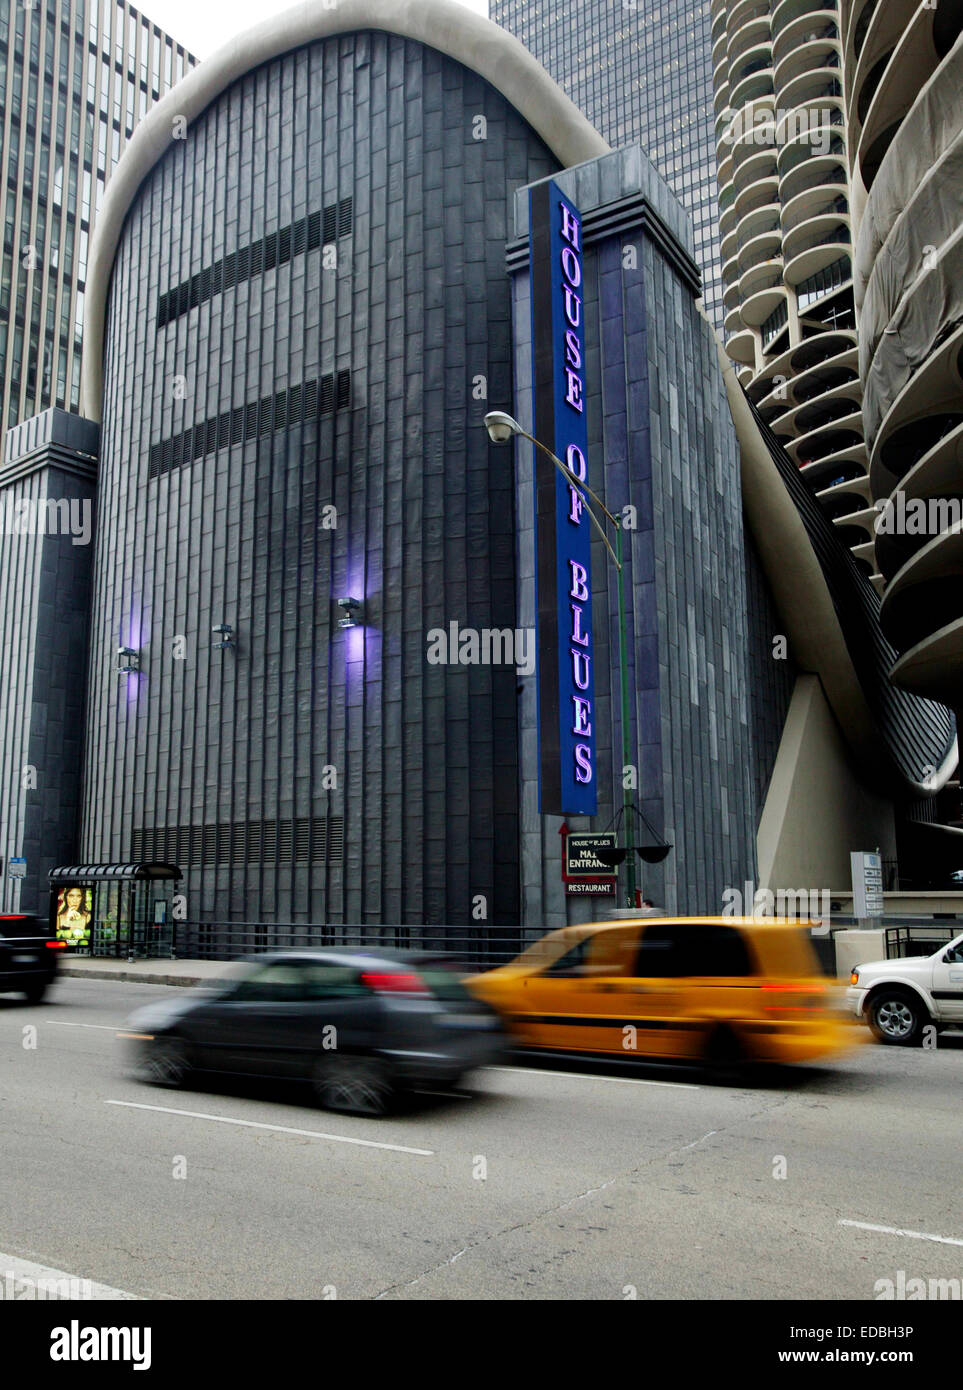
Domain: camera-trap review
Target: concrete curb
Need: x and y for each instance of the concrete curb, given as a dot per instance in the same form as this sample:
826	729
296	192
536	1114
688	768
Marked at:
131	977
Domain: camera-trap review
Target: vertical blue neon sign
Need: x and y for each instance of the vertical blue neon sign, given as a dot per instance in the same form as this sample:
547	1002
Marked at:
567	768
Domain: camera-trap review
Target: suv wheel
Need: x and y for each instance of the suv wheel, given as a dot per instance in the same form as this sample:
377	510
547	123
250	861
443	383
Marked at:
897	1018
34	993
351	1084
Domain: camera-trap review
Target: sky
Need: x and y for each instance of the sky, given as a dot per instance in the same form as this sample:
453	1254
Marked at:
203	25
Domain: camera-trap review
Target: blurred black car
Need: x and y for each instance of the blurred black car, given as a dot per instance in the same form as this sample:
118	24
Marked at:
28	956
360	1026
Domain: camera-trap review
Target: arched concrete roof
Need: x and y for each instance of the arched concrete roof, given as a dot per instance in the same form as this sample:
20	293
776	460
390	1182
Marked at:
450	28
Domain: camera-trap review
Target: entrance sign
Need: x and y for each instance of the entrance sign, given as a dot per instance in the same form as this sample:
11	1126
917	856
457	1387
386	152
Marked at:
566	687
581	853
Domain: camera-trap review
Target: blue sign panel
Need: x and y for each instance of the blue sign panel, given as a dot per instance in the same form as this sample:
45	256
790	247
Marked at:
567	769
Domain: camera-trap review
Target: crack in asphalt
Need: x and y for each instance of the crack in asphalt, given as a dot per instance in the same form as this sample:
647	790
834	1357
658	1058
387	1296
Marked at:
572	1201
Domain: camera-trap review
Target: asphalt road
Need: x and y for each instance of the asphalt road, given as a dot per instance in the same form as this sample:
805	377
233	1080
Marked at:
541	1182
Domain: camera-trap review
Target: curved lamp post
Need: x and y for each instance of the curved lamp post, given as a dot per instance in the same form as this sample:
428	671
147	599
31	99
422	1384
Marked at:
501	429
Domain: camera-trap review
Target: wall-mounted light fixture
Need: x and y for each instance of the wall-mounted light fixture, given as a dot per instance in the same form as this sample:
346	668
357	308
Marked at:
352	609
128	661
223	638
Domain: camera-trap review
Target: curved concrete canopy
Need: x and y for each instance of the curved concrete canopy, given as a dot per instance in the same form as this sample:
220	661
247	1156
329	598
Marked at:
450	28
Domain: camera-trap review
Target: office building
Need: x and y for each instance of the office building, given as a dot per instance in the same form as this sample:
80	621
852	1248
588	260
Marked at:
76	76
642	73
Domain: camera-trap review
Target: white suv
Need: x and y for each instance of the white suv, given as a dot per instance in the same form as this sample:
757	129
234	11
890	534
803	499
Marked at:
898	998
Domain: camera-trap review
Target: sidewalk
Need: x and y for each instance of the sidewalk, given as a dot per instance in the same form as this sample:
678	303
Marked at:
146	972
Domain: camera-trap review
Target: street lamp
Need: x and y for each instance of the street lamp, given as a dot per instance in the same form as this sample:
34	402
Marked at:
501	428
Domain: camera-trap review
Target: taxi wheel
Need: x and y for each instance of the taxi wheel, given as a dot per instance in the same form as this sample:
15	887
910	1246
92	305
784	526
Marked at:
896	1018
725	1060
353	1085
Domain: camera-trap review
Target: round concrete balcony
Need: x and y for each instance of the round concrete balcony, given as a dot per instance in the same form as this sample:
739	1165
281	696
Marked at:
766	247
765	299
754	84
750	37
757	223
812	150
810	171
846	499
889	90
932	667
786	12
932	439
840	440
732	323
822	351
720	101
798	33
819	53
745	12
819	200
763	194
870	41
741	347
926	596
935	388
819	89
839	372
755	167
802	265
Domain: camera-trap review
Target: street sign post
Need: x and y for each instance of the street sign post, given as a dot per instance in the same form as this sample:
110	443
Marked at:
868	903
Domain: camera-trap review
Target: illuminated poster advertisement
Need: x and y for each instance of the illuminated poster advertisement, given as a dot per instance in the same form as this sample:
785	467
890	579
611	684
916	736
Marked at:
566	688
74	911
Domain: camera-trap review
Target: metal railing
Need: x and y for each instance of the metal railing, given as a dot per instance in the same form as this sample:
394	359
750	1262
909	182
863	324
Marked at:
923	940
479	948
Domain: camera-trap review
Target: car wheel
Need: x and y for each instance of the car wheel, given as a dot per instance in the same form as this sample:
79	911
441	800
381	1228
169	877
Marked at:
352	1084
897	1018
34	993
724	1060
166	1062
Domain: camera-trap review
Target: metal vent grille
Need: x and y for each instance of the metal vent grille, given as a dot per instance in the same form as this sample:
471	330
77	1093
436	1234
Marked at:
287	408
277	248
303	840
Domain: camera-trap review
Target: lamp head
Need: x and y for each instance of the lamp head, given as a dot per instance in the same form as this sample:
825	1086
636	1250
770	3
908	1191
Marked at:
501	427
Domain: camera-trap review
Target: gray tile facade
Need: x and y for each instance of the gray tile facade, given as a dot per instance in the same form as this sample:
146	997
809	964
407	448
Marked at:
45	581
236	749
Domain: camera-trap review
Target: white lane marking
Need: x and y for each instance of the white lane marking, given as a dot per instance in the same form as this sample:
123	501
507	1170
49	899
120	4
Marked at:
40	1281
104	1027
277	1129
587	1076
896	1231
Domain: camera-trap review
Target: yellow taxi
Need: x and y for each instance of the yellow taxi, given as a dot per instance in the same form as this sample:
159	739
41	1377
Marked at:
722	990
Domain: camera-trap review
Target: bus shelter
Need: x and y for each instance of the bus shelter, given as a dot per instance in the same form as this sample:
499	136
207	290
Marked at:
114	909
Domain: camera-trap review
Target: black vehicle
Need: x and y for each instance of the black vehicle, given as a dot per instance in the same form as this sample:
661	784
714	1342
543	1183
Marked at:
358	1025
28	956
